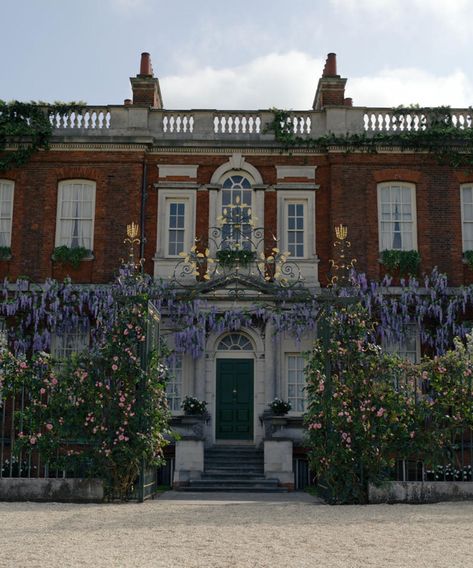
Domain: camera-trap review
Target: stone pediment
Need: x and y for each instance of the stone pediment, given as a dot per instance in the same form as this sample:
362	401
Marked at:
235	286
239	286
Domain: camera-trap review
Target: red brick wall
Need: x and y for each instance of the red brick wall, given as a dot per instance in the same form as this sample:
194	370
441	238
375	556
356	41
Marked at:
354	180
118	186
347	194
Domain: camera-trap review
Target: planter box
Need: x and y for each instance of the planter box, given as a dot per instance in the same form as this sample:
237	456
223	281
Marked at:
191	426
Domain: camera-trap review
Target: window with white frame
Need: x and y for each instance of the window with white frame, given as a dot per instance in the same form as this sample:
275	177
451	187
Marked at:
295	218
467	215
176	222
296	223
397	216
75	214
67	342
174	383
6	212
296	383
176	216
407	346
236	213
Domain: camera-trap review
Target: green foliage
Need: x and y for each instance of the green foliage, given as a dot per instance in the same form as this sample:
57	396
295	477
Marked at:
70	255
194	406
367	408
353	411
230	257
101	408
29	126
468	256
436	134
5	253
407	262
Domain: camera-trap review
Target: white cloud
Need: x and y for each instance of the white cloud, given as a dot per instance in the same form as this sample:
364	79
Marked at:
289	81
283	80
393	87
452	15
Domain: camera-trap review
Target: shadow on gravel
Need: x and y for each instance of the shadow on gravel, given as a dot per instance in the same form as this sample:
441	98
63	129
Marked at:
223	497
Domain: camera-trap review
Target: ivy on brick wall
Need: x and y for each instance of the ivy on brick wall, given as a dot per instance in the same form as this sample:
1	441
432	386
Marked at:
28	127
436	134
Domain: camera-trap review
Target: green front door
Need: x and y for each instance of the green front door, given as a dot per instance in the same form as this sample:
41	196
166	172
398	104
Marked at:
234	399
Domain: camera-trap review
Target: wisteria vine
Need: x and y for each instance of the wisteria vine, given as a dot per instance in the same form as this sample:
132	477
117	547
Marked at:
34	313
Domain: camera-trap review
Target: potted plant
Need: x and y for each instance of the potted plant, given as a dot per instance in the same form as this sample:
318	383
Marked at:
193	406
279	407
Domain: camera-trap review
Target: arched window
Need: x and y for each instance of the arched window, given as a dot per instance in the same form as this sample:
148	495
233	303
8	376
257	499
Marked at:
236	213
235	342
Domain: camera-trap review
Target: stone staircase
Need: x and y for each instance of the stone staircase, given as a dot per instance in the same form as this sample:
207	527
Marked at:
234	468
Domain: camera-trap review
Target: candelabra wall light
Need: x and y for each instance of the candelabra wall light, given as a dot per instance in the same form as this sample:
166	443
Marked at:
133	242
341	267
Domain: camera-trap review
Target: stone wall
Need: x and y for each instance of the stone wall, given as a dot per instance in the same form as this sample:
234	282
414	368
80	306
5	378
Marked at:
421	492
62	490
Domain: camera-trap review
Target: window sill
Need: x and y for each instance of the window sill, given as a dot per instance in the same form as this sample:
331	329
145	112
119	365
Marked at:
5	258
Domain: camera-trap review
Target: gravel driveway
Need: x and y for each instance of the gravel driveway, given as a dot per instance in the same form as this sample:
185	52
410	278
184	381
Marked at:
232	530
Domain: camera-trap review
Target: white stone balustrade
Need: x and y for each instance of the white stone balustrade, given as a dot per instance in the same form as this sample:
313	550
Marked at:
249	126
178	122
88	118
237	123
388	120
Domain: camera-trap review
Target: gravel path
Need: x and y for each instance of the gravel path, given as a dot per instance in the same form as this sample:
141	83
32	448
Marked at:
230	530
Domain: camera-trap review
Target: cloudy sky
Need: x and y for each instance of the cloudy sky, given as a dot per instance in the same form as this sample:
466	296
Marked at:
248	54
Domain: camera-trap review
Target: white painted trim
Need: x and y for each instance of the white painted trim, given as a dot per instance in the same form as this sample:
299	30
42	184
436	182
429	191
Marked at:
308	199
412	187
165	197
307	172
189	171
237	164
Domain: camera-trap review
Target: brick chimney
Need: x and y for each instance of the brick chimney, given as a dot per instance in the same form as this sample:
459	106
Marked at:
331	87
145	85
